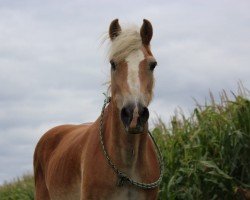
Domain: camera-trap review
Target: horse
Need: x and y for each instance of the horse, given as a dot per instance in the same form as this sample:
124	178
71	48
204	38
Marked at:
113	157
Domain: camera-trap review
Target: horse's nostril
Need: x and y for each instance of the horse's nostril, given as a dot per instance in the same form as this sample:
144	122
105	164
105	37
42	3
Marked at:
143	115
127	115
144	112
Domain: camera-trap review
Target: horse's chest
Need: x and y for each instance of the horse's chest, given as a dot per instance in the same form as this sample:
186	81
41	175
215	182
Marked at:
128	194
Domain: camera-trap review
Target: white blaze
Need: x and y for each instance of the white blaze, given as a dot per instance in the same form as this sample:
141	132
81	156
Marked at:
133	79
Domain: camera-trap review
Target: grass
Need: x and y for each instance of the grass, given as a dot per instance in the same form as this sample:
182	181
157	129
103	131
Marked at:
19	189
206	156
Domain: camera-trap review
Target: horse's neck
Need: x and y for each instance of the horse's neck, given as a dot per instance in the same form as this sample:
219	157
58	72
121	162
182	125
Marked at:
127	150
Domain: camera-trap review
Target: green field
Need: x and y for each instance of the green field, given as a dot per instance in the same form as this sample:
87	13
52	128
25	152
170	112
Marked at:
19	189
206	156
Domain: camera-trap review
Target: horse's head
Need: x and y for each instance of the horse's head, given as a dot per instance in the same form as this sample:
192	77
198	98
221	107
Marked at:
132	79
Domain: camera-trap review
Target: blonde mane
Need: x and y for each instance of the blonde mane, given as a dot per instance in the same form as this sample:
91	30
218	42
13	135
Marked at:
127	41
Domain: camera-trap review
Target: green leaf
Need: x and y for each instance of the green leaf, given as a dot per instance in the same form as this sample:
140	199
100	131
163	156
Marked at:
211	164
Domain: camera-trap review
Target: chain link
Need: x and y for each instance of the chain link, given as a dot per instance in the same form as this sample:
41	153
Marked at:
122	177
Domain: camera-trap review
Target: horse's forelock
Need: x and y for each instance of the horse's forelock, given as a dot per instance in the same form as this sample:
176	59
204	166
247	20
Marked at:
126	42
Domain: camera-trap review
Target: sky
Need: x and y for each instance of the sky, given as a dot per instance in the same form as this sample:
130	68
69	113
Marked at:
53	66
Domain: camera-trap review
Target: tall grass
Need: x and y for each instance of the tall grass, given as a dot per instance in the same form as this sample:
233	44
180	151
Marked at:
20	189
207	156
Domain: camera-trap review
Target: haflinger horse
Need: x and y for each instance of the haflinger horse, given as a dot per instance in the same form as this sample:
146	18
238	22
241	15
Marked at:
113	157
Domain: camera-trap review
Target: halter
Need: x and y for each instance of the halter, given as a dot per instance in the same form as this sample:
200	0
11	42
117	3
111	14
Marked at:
122	177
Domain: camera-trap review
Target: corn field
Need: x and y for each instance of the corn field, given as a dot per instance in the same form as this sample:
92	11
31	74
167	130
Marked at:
207	156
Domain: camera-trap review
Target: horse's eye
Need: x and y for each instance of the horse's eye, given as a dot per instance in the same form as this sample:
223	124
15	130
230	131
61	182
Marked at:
152	65
113	65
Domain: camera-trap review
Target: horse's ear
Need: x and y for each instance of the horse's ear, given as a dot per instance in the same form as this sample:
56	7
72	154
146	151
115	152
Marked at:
114	29
146	32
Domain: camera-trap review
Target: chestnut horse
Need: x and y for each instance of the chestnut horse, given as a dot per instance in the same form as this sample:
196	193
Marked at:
113	157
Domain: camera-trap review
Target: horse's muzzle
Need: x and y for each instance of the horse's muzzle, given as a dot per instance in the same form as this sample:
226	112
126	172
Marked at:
134	118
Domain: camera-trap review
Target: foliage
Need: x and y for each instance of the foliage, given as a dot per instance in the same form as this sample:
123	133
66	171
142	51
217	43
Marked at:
207	156
19	189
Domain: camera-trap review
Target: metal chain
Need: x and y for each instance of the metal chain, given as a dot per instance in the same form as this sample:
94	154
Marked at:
122	177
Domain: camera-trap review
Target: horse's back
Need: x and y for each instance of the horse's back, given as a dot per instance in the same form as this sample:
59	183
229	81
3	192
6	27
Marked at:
57	160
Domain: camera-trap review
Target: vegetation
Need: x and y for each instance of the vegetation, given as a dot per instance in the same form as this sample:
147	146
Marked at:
19	189
206	156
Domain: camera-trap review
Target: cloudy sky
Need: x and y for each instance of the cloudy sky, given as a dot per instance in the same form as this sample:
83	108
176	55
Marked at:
52	66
